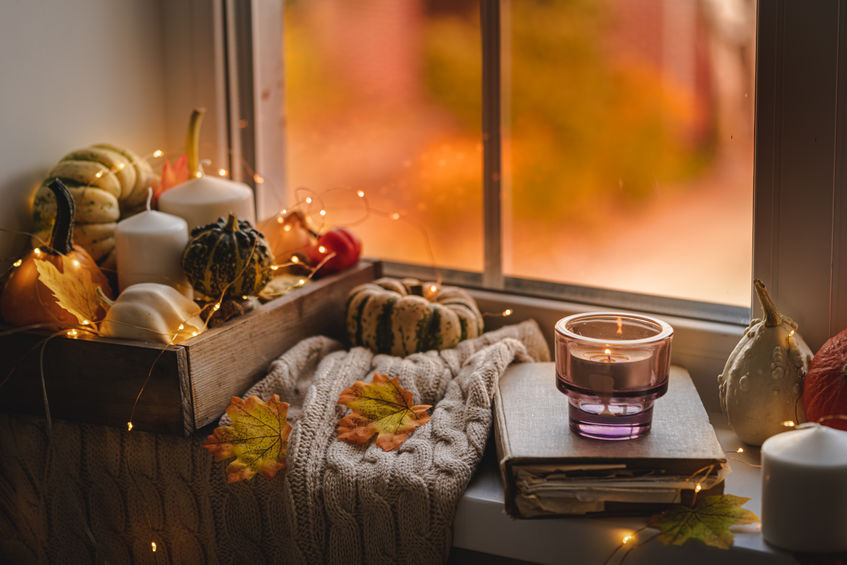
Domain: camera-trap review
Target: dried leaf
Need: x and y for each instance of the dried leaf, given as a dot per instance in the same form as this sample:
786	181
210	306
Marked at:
708	521
380	408
257	438
74	289
171	176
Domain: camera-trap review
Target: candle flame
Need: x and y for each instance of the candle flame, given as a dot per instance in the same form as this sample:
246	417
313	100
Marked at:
620	327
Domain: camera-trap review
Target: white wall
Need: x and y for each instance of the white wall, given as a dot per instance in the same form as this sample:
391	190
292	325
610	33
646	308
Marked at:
73	73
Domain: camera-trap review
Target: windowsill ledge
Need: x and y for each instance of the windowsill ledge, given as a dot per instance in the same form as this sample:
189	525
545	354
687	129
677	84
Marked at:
482	525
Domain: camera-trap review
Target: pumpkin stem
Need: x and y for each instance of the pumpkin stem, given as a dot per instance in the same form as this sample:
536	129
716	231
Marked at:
772	315
63	228
231	223
192	143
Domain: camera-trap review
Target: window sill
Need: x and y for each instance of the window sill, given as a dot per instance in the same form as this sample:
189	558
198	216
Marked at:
482	525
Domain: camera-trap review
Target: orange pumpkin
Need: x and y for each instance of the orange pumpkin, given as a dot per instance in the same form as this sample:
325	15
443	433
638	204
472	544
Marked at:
287	235
25	298
825	385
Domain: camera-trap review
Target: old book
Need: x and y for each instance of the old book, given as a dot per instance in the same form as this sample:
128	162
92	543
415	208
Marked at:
548	470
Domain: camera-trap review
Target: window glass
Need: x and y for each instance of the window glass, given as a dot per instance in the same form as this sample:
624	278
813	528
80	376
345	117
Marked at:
629	151
383	97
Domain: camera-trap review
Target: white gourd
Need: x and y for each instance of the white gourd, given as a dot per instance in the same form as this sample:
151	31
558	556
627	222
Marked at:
152	312
761	383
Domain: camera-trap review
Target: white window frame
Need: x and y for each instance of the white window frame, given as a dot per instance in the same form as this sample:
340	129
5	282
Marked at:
799	174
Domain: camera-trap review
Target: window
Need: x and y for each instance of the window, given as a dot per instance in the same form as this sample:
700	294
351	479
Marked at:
622	122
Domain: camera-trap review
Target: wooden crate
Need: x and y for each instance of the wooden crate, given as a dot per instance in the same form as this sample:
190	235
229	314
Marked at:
188	385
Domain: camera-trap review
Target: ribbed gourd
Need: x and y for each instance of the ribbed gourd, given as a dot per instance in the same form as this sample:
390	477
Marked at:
107	183
404	316
761	382
228	258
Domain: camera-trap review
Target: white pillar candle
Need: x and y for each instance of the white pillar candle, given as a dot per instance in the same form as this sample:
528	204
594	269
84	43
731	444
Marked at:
203	200
149	249
804	489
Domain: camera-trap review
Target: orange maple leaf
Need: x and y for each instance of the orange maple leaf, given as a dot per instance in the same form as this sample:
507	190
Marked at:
380	408
171	176
257	438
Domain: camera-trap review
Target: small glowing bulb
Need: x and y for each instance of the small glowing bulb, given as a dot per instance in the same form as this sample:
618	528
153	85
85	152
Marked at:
193	334
286	227
216	307
85	322
222	172
308	200
395	216
698	487
322	212
791	333
279	219
18	263
433	288
198	174
121	166
181	327
789	423
740	450
75	263
71	333
98	174
283	211
274	267
627	538
301	282
158	153
37	252
360	193
153	546
321	249
258	178
244	297
295	259
507	312
129	426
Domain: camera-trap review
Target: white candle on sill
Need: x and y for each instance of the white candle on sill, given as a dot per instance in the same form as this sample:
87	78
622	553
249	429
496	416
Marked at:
203	200
804	489
149	248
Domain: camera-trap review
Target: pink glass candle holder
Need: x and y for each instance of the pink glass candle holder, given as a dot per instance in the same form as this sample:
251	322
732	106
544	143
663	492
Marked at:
612	366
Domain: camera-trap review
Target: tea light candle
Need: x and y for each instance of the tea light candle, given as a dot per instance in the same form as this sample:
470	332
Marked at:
149	248
804	489
605	370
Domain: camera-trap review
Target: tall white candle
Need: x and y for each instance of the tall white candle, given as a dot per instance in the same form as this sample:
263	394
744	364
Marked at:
203	200
804	489
149	249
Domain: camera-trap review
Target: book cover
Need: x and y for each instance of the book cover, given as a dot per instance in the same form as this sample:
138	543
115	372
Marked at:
548	470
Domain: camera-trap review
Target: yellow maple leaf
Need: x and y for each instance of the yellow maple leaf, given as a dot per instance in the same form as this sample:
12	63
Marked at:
708	521
382	408
74	289
257	438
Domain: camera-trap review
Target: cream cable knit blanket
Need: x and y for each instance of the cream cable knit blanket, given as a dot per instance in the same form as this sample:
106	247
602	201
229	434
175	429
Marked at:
107	493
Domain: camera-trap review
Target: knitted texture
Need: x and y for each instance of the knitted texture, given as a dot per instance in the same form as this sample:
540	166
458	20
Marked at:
101	493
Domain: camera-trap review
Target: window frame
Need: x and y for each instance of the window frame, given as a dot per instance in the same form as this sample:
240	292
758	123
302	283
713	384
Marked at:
798	134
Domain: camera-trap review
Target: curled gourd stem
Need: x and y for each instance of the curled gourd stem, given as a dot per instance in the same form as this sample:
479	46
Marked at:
772	317
63	228
107	302
192	142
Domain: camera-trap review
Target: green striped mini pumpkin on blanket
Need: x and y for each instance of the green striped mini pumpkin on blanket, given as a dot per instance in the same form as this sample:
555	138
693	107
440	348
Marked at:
403	316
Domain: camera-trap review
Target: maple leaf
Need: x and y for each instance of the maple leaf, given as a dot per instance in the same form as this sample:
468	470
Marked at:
257	438
171	176
74	289
380	408
708	521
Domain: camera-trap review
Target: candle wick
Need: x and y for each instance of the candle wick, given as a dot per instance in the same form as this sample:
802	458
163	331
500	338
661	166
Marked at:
149	198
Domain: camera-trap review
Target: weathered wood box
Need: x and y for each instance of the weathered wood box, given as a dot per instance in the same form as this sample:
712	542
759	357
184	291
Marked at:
183	387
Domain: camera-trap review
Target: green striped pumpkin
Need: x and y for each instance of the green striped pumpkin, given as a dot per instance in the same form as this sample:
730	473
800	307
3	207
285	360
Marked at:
403	316
227	259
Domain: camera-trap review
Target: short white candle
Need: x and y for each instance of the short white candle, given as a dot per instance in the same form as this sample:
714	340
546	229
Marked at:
149	249
203	200
804	489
